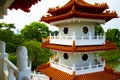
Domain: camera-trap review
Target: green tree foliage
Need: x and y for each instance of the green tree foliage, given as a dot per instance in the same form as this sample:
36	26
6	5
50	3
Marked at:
111	57
99	30
114	36
36	54
54	33
7	26
7	35
35	30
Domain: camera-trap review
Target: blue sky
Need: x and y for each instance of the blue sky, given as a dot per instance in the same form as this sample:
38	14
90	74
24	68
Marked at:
20	18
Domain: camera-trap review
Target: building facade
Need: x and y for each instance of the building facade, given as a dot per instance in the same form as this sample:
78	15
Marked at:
76	43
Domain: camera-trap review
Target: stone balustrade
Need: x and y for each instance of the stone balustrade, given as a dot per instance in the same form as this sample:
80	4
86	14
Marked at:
8	71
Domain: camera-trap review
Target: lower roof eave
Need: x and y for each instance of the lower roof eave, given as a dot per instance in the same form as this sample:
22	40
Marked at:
107	74
92	48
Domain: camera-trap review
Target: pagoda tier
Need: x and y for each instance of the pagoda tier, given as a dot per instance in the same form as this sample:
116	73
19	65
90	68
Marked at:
108	46
79	9
53	73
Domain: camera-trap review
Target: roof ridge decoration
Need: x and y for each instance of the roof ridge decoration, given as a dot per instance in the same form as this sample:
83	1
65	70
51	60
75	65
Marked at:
80	3
23	4
95	5
79	9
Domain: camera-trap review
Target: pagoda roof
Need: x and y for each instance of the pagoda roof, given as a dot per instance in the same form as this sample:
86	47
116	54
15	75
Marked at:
79	9
107	74
80	4
23	4
108	46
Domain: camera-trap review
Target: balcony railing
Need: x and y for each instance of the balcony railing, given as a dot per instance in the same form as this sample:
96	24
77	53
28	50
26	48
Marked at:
8	71
78	70
79	40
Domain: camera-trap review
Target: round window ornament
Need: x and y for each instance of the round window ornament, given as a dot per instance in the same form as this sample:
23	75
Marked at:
65	55
85	30
84	57
65	30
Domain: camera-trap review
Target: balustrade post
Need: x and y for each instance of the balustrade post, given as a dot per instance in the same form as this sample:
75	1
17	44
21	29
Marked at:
54	36
22	63
104	37
90	36
60	36
104	63
50	35
50	60
82	37
3	54
73	68
89	65
97	37
97	58
11	75
59	64
100	59
74	37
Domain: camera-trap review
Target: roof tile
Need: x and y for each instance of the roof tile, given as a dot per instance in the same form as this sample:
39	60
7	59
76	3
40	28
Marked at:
56	74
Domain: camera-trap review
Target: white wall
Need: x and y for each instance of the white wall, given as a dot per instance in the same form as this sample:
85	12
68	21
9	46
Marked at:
76	58
77	28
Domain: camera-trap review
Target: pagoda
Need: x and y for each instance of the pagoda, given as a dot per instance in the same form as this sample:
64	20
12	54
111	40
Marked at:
75	46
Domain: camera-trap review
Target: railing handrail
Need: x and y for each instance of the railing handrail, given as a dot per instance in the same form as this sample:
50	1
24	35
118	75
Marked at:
57	63
8	70
77	37
92	67
96	65
10	64
63	65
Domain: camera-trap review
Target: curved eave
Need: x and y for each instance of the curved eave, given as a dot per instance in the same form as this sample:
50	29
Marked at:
85	5
107	74
105	16
23	4
107	46
74	13
63	8
80	4
56	18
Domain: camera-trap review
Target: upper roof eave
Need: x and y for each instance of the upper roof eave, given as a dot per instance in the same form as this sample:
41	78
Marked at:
79	3
100	21
73	13
96	6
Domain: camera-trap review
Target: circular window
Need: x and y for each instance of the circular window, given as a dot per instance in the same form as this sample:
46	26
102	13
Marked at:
85	30
65	55
65	30
84	57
